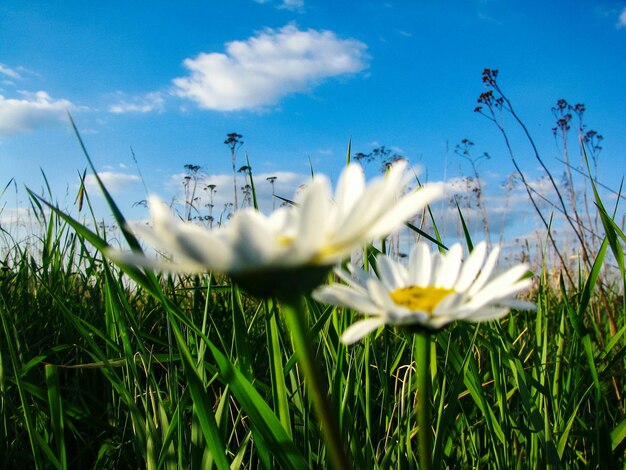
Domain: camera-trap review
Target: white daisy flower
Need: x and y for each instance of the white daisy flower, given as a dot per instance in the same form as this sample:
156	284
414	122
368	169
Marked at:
317	233
434	290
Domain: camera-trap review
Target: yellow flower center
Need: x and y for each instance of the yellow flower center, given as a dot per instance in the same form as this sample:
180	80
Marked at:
284	240
423	299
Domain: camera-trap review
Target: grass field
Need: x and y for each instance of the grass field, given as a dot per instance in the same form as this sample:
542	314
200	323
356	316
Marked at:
103	367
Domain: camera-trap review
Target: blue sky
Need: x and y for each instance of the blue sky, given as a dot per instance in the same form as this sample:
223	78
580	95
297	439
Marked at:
298	79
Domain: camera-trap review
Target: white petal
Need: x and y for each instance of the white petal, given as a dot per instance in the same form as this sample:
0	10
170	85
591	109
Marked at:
360	329
159	212
380	295
148	235
283	221
254	243
338	294
397	177
435	267
495	294
356	278
500	286
190	244
139	260
354	227
163	226
376	200
403	210
349	189
449	268
393	275
511	275
313	217
486	271
449	304
420	265
519	304
487	314
404	316
302	193
213	253
471	266
397	170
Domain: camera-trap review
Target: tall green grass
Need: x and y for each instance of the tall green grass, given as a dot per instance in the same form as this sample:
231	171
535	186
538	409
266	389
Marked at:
109	368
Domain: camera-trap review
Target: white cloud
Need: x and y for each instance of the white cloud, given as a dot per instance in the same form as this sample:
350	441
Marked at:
621	21
13	216
458	185
123	166
263	69
293	5
34	111
4	70
484	17
114	182
152	102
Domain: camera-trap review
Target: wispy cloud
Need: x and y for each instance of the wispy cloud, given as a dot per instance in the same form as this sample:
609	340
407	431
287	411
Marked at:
485	17
621	20
152	102
115	182
9	72
33	111
14	216
292	5
263	69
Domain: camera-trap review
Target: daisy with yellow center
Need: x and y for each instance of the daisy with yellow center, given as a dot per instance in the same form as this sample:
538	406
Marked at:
293	247
289	252
433	290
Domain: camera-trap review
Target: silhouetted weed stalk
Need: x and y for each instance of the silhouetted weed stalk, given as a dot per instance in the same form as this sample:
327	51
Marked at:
102	367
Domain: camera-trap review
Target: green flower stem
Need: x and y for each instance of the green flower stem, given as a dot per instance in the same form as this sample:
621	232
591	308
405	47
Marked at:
293	309
424	437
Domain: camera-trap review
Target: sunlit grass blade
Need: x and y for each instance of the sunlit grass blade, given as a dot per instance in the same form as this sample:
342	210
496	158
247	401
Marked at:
618	434
279	386
612	231
264	419
201	401
349	152
436	240
565	432
239	460
592	279
466	233
56	412
240	330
